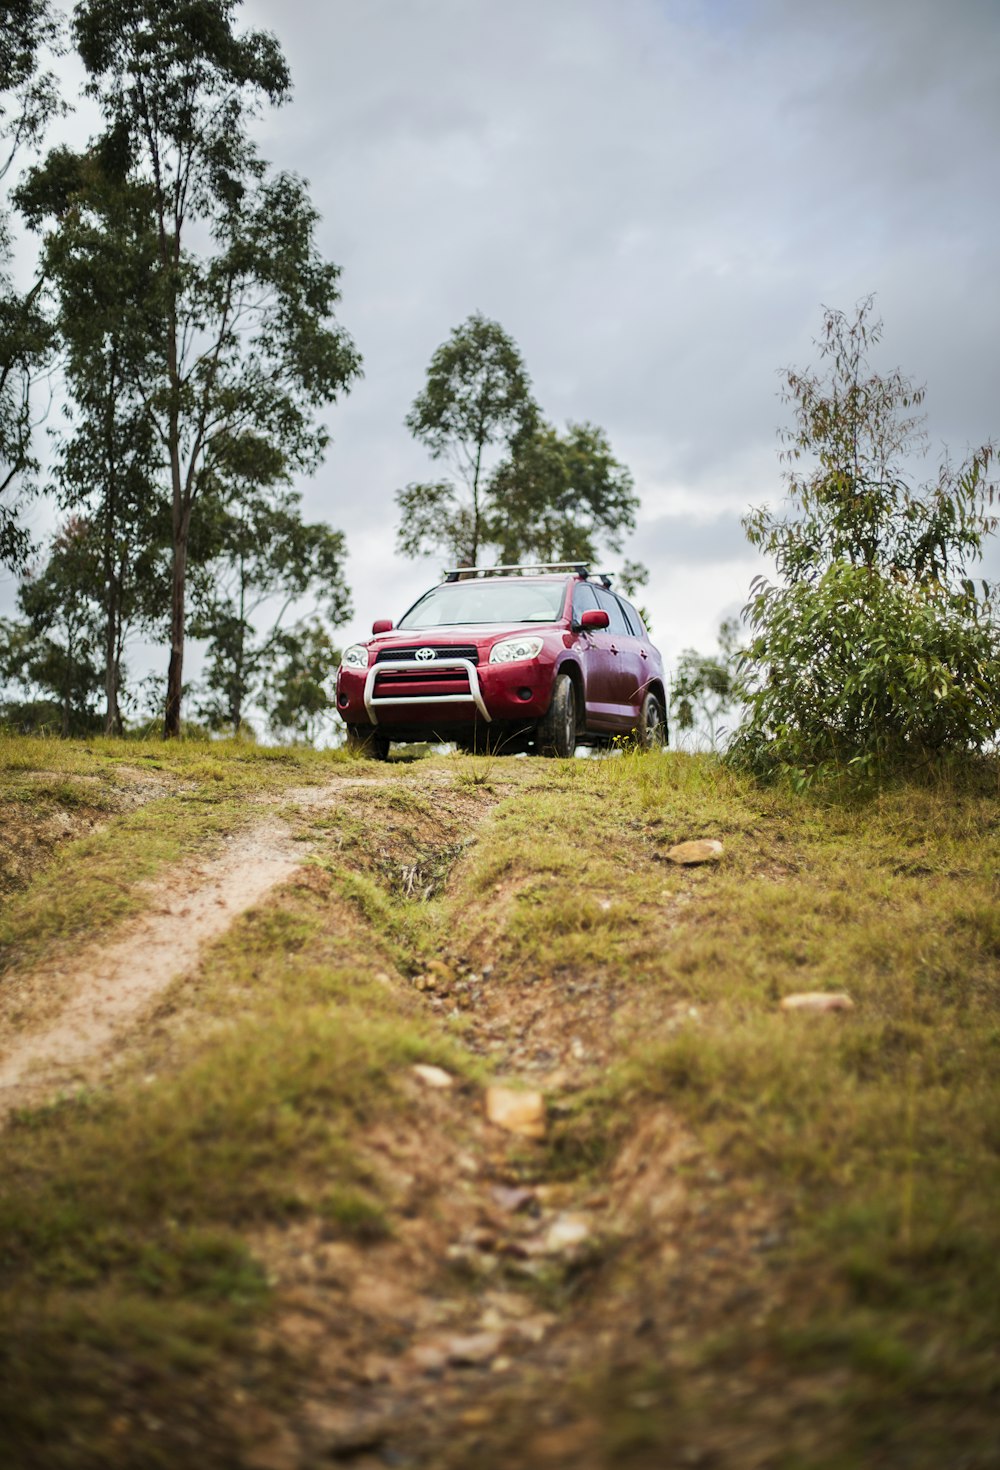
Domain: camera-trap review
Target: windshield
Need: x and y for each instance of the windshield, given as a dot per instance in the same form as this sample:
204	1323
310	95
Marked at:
484	601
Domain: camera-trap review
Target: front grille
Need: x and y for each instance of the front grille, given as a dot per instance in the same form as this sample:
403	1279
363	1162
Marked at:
420	685
441	651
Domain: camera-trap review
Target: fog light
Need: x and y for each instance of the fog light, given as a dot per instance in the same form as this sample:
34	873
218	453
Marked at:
525	693
342	700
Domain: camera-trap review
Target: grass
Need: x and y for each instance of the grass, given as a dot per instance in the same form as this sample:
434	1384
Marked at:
834	1279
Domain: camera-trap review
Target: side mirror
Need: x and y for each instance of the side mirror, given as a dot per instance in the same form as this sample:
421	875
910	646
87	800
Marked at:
594	618
384	625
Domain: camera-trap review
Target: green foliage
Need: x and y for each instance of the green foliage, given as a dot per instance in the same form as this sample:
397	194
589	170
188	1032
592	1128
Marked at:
267	552
876	646
28	98
549	497
99	261
298	693
247	352
555	497
705	686
478	395
53	655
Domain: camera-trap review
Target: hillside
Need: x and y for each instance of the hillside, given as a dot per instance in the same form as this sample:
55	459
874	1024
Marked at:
242	1224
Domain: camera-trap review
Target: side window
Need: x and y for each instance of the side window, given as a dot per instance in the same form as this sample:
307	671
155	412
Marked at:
583	598
612	607
633	619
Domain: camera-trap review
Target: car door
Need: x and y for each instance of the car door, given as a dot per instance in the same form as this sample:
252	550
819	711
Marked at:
638	650
599	665
625	664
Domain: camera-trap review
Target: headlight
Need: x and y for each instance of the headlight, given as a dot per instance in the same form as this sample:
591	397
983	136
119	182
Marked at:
355	657
512	649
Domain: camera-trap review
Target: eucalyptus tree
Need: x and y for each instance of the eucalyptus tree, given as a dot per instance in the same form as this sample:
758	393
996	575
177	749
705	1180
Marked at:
28	98
560	497
99	260
267	560
250	352
477	399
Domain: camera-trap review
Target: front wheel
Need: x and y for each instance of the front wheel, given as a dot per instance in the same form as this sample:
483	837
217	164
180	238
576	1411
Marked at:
557	732
651	731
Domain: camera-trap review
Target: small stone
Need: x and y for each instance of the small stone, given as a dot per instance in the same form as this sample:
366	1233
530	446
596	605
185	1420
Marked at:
428	1357
512	1198
516	1112
702	850
566	1233
476	1347
440	974
818	1000
431	1076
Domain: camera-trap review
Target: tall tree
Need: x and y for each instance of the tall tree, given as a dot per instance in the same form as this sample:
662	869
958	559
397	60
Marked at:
250	350
28	98
477	397
557	496
269	559
100	262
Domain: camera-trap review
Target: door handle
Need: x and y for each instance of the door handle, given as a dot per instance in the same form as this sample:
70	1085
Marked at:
614	648
643	653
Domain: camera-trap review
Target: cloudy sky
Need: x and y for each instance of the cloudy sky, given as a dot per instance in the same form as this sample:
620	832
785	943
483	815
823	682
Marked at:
654	197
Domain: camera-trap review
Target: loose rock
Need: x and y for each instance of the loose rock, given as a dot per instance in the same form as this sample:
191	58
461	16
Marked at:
566	1233
818	1000
431	1076
516	1112
477	1347
689	854
512	1197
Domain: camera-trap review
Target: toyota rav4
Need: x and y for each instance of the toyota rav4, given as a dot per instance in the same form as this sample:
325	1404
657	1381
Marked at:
507	658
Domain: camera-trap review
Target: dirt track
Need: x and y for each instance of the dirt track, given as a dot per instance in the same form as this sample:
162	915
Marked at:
114	983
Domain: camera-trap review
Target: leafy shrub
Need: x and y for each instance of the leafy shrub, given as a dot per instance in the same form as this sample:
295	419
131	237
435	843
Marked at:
875	648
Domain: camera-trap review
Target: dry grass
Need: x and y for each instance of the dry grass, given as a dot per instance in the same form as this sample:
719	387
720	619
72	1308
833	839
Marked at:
805	1278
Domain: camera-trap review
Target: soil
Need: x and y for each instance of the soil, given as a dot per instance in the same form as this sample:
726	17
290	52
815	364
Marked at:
459	1340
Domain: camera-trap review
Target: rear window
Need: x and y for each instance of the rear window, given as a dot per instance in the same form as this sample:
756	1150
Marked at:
484	600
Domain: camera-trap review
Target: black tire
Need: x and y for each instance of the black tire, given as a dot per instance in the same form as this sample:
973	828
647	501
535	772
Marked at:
651	731
364	740
556	735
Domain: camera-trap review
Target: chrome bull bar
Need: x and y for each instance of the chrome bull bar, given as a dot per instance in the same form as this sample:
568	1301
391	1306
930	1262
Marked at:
474	696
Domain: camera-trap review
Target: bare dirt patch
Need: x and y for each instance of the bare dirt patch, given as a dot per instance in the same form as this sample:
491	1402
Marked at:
113	984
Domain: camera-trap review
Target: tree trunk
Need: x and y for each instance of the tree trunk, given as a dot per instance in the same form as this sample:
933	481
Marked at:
112	591
175	668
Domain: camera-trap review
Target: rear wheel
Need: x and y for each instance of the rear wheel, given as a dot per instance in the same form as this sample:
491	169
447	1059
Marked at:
365	740
651	731
556	734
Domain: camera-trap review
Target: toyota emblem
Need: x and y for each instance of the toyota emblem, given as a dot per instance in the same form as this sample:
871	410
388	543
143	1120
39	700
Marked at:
423	654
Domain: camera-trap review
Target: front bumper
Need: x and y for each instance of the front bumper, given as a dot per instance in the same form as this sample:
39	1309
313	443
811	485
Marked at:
454	693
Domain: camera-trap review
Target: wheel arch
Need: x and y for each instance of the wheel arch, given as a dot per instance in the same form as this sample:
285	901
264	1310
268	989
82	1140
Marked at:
572	668
655	686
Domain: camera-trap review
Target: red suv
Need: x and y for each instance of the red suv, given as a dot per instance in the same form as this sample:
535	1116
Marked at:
511	659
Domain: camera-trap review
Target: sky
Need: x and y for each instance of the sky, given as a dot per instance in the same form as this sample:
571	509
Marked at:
655	198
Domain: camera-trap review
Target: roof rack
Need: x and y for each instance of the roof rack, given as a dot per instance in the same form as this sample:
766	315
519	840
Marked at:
454	574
